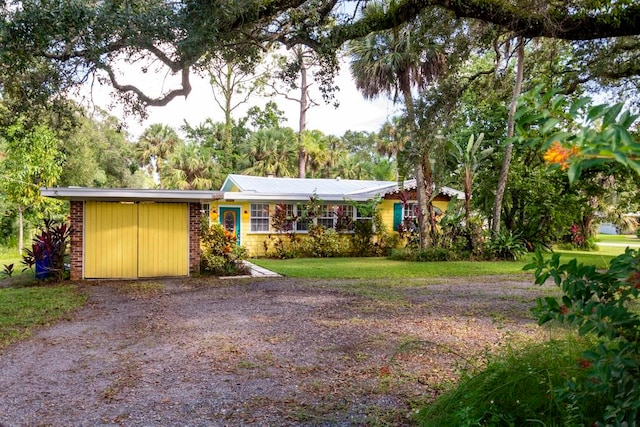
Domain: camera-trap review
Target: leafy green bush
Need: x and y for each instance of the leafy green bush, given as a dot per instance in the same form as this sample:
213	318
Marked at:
322	243
516	388
363	235
604	304
220	255
505	245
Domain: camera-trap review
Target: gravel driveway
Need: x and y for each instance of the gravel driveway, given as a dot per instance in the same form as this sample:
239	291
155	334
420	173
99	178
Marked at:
274	351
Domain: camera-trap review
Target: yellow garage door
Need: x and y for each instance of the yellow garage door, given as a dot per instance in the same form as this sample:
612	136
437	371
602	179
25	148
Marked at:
163	242
111	240
135	240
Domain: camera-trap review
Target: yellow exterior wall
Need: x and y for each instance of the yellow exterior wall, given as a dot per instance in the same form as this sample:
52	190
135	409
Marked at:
386	213
163	240
254	242
441	204
111	240
135	240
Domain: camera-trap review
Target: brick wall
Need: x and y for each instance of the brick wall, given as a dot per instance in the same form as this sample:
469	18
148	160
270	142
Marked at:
76	221
194	238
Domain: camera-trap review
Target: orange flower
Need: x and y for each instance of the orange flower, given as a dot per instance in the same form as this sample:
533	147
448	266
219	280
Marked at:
559	154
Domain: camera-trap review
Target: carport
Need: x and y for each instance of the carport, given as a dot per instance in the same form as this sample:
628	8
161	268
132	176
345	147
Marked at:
130	233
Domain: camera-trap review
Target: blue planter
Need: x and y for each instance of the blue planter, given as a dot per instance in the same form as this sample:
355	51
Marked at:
43	266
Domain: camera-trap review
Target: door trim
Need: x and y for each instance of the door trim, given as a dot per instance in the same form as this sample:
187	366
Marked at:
236	211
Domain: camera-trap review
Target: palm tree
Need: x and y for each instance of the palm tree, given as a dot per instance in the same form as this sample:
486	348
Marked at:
154	146
393	63
469	158
391	140
272	152
190	168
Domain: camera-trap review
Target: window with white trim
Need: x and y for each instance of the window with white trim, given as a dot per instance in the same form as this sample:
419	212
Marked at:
326	217
259	218
410	211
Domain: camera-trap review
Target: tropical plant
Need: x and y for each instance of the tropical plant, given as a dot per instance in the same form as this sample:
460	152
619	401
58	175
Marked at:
31	160
189	168
220	254
505	245
393	63
271	152
7	270
469	158
48	250
603	304
154	147
283	223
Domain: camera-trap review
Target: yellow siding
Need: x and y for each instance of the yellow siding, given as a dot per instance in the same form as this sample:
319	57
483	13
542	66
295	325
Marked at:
163	240
441	204
254	242
111	241
386	213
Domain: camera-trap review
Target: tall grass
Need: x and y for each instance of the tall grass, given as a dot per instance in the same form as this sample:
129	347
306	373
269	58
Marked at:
516	388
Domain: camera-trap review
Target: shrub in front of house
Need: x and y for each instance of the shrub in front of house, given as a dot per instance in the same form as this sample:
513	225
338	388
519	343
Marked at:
323	243
220	254
48	251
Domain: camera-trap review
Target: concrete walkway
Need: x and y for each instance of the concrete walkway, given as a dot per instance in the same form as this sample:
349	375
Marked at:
257	271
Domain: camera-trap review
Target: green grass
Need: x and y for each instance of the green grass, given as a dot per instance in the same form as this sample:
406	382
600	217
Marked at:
618	238
10	256
19	277
23	309
373	268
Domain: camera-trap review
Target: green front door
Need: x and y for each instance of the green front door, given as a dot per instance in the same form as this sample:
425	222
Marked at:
230	220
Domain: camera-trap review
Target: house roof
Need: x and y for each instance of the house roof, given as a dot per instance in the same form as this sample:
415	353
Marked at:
246	187
257	187
129	194
411	184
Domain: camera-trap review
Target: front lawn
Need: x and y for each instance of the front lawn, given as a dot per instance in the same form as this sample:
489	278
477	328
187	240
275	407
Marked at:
628	239
365	268
23	309
372	268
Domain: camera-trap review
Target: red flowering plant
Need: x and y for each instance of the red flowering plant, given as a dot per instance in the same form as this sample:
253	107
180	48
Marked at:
284	241
599	303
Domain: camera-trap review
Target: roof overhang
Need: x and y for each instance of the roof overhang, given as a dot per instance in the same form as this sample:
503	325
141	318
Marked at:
249	196
129	194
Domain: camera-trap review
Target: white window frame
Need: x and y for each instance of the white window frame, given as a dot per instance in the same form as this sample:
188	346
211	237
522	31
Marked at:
410	210
257	217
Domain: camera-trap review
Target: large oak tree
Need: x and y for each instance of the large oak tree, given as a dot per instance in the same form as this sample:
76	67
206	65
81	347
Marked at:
59	44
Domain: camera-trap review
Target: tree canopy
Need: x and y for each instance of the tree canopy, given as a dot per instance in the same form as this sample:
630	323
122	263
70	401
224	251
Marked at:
61	44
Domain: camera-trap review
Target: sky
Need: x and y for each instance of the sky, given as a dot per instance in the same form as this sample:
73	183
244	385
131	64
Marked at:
354	112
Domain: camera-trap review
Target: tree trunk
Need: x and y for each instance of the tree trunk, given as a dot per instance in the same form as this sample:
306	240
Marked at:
302	123
468	182
506	163
424	178
228	121
20	230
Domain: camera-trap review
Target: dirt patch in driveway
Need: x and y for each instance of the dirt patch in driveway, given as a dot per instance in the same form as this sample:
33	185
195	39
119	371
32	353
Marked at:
265	352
